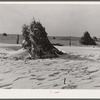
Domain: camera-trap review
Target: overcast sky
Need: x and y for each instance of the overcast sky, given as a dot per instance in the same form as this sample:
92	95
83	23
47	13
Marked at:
59	20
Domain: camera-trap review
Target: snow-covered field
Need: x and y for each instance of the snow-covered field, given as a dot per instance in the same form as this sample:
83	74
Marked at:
78	69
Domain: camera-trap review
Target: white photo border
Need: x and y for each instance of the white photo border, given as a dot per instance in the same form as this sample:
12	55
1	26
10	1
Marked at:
50	93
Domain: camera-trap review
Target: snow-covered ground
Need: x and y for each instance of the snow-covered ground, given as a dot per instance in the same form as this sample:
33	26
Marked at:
78	69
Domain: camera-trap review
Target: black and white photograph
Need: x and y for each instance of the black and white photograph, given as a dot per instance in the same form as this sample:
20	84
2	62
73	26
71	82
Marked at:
49	46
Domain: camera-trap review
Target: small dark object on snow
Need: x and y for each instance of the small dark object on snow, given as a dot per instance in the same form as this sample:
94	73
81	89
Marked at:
57	44
64	80
54	38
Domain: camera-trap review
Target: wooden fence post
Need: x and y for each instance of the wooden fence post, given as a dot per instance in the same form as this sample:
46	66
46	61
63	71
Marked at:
70	41
17	39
